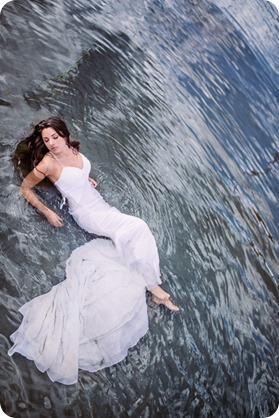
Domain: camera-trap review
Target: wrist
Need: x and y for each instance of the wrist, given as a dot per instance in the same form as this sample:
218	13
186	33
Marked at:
45	210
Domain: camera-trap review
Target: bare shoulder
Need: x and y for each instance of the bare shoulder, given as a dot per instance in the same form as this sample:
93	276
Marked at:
48	158
46	165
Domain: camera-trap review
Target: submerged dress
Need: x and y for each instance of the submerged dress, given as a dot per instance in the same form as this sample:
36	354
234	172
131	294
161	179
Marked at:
91	319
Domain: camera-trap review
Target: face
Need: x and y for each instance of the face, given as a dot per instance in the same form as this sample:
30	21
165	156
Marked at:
53	141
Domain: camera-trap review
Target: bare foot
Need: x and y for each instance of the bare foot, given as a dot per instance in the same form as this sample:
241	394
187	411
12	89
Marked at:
166	302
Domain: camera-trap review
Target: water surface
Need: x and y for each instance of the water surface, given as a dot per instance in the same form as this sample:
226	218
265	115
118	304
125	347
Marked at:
176	104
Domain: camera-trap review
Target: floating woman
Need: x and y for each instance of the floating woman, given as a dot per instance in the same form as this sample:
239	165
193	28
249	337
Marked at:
91	319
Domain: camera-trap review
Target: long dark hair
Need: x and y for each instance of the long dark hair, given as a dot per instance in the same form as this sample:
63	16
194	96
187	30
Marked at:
31	150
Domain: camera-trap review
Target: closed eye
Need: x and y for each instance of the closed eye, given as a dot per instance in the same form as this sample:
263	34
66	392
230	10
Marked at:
47	139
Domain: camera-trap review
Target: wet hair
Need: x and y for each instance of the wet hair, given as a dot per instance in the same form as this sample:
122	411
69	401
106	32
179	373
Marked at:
31	150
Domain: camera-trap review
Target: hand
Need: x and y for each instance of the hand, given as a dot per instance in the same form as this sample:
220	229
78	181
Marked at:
53	218
92	182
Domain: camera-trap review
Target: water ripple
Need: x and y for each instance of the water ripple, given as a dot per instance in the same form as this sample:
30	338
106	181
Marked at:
175	104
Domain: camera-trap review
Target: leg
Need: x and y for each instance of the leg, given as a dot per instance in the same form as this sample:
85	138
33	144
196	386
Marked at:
134	238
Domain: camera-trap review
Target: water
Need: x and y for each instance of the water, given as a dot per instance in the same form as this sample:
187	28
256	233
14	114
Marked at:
176	104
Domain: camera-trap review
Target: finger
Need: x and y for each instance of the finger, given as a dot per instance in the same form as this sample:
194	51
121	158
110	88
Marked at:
58	225
56	222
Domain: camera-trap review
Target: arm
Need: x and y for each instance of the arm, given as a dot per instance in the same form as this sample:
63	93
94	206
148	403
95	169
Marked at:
30	181
92	182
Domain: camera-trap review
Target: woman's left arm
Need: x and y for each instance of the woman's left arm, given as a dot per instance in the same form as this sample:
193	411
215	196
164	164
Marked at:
92	182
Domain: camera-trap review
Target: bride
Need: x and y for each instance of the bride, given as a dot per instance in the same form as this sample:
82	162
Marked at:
91	319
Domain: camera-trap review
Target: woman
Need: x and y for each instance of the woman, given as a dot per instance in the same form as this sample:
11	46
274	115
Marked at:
99	311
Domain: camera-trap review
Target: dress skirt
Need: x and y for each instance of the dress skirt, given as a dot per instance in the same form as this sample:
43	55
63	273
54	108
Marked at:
88	321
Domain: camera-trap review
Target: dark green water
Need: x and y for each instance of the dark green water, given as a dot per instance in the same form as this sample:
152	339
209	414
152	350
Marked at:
176	105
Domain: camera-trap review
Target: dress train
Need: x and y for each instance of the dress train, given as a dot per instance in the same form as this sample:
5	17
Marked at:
88	321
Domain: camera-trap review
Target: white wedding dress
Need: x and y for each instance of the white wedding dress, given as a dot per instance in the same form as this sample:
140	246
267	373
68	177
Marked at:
91	319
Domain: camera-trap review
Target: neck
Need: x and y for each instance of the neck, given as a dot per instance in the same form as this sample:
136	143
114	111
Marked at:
64	153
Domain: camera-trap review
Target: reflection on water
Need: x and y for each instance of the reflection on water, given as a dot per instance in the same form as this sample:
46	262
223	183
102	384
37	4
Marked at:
175	104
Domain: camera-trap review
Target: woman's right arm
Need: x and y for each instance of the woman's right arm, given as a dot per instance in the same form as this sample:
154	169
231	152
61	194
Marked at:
26	189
